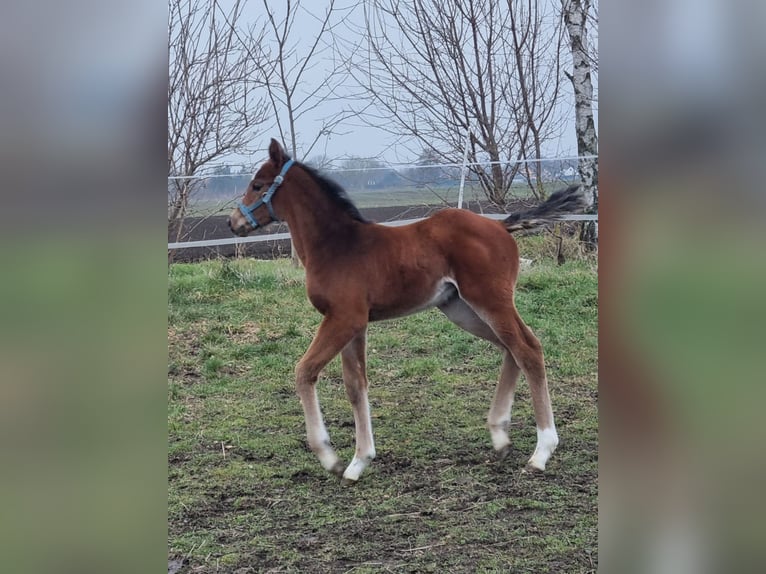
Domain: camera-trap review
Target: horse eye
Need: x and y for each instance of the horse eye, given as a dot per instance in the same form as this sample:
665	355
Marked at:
257	187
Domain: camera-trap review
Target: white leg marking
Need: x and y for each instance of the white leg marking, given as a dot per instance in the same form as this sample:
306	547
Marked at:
499	418
365	444
327	458
499	435
354	470
547	441
318	438
320	444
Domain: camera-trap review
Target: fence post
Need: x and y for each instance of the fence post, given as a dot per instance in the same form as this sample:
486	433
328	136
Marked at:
465	167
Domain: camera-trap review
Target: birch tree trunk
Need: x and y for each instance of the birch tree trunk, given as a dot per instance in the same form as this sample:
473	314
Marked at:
575	13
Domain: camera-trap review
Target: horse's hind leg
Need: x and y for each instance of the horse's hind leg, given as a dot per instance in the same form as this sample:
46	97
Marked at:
355	379
499	417
528	354
526	351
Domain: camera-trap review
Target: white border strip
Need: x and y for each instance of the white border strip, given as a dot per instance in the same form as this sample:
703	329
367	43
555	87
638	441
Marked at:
279	236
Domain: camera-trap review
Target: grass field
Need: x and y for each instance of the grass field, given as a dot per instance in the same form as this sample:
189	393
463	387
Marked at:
246	495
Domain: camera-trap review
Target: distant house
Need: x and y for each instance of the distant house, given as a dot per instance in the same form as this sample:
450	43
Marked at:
568	172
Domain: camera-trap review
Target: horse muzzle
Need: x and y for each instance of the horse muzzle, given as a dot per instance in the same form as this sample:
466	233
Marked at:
237	228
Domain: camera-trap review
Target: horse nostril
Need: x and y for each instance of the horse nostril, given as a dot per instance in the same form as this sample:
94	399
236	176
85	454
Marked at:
228	222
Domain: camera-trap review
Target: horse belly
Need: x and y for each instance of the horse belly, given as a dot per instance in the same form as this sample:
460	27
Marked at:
445	290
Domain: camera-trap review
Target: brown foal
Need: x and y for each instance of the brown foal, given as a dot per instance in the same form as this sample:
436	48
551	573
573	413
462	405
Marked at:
357	272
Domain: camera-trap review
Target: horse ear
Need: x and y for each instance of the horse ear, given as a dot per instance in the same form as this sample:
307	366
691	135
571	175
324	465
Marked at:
276	153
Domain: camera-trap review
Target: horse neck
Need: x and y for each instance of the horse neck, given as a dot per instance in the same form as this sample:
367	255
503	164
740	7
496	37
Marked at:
318	226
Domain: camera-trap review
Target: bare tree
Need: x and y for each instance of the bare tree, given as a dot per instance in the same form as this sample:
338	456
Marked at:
536	41
320	161
293	56
212	110
294	87
577	15
436	70
358	173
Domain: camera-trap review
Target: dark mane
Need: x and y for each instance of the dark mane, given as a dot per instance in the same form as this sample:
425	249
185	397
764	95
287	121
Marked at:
336	193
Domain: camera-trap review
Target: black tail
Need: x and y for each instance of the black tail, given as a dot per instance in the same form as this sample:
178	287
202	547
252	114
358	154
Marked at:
560	203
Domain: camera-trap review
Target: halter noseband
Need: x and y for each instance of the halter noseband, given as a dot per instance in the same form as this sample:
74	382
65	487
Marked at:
247	210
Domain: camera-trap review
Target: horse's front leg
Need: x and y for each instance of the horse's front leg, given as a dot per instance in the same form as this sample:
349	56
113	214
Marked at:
332	336
355	380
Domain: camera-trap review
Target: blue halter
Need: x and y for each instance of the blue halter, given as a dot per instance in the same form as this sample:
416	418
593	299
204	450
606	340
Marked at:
247	210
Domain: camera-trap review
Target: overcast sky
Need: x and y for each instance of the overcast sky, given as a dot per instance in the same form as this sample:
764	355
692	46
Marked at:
358	139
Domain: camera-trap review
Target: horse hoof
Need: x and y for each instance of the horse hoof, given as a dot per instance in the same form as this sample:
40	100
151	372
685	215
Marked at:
338	469
532	468
502	454
348	482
